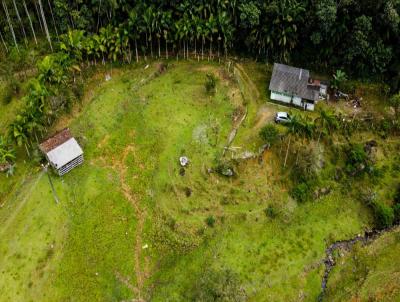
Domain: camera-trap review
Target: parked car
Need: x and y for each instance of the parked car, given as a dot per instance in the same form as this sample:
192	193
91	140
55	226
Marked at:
282	117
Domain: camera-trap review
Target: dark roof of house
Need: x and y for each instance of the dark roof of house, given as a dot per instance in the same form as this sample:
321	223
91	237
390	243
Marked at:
292	80
55	141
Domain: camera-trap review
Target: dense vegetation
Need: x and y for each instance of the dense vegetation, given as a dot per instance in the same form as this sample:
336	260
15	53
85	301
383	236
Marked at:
362	36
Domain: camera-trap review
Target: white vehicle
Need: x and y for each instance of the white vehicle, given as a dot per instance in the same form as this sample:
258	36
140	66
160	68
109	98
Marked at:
282	117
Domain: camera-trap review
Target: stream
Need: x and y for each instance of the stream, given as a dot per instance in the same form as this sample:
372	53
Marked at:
347	245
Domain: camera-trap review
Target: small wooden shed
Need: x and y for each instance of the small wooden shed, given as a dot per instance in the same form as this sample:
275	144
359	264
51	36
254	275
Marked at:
62	151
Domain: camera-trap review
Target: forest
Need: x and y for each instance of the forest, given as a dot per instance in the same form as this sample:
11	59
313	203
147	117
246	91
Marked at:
360	36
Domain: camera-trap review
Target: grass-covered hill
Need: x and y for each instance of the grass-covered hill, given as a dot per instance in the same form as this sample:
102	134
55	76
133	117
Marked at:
132	225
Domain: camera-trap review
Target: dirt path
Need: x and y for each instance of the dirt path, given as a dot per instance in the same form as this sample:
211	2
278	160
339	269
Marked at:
140	270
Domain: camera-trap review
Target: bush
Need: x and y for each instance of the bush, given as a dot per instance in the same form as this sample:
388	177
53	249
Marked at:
396	198
270	211
307	164
12	88
217	285
302	192
211	83
210	220
357	159
269	134
384	215
396	212
225	168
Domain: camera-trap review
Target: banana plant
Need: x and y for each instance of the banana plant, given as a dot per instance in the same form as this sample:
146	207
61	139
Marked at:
7	152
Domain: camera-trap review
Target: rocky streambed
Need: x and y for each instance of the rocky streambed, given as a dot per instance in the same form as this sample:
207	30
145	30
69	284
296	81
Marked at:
346	245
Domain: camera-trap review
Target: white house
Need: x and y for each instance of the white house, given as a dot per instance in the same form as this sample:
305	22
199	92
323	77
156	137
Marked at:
293	85
62	151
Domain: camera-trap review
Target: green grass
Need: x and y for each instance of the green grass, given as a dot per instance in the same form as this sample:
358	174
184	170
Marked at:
133	130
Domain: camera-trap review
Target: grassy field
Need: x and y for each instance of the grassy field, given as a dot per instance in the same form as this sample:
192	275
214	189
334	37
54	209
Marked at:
132	224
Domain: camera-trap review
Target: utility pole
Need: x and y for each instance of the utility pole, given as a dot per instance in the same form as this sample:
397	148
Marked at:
45	169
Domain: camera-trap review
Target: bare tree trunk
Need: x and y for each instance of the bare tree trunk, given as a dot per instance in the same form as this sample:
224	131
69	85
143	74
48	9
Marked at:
202	48
136	51
159	48
287	152
20	22
166	49
98	17
4	42
38	14
54	21
45	24
211	49
10	24
151	45
30	21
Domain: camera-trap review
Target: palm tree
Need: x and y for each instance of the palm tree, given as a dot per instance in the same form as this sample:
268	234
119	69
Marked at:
294	128
30	21
20	22
211	25
166	19
133	23
10	25
45	24
326	122
148	18
338	78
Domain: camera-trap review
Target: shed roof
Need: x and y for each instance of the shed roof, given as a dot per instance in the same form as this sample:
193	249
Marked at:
55	141
64	153
292	80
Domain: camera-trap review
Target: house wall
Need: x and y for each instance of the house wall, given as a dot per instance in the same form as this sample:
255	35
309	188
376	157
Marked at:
297	101
72	164
310	106
277	96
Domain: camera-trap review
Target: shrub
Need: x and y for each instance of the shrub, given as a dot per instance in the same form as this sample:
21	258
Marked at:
217	285
302	192
270	211
269	134
210	220
396	198
384	215
211	83
396	212
357	159
12	88
306	166
225	168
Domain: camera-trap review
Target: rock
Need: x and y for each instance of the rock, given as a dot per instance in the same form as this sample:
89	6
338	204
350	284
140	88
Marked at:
146	246
108	77
5	167
184	161
227	172
247	155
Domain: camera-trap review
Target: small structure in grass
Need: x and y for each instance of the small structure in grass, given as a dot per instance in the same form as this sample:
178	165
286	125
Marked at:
62	152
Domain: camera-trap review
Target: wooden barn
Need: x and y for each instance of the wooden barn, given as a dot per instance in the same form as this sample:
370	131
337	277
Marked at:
62	151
